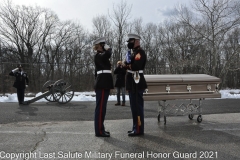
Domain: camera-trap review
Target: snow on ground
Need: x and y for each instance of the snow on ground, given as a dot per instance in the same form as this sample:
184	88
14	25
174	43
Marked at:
78	96
230	93
90	96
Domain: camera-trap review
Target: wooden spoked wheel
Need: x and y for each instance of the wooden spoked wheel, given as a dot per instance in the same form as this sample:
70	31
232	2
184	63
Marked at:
46	88
62	91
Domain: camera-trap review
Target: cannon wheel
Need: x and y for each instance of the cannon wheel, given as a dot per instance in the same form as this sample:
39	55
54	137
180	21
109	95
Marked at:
165	120
190	116
50	97
199	118
62	91
159	116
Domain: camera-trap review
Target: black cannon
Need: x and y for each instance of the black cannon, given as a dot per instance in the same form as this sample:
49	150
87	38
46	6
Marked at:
59	91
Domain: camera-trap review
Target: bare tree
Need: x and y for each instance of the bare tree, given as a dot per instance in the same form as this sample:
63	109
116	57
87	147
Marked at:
120	16
230	52
56	45
101	26
148	39
23	30
23	27
78	61
216	18
136	26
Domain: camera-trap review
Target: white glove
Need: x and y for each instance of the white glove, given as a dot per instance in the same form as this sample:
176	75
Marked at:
14	70
106	47
26	86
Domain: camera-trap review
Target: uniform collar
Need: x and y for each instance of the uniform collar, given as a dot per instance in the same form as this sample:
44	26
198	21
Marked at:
137	48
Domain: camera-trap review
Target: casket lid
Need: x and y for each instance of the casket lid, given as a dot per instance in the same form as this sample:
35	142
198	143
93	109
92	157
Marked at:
179	78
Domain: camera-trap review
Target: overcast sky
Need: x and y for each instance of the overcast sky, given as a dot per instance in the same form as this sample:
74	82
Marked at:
84	10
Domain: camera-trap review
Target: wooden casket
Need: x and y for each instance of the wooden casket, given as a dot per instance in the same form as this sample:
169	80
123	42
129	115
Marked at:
181	86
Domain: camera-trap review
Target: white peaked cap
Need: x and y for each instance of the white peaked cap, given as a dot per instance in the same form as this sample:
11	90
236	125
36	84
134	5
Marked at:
133	36
99	40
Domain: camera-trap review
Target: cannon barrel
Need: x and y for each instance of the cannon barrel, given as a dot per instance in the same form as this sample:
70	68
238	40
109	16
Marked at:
59	91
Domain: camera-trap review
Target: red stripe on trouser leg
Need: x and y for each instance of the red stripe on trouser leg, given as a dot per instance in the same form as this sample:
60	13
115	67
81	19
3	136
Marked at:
138	118
100	116
138	127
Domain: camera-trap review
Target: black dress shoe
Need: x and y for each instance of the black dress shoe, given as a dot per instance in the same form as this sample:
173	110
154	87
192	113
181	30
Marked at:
130	131
107	132
104	134
132	134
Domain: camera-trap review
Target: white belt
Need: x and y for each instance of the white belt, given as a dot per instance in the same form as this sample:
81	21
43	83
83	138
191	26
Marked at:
140	71
104	71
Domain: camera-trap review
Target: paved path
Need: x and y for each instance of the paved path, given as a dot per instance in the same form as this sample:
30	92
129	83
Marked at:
217	137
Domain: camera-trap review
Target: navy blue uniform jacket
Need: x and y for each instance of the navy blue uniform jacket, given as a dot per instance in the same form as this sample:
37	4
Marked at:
21	79
138	62
102	62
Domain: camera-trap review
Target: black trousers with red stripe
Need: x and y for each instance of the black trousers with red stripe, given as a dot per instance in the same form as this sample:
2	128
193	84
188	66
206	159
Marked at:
100	110
137	108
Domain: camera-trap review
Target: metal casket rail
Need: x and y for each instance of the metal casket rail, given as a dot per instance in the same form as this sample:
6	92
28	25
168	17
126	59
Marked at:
181	86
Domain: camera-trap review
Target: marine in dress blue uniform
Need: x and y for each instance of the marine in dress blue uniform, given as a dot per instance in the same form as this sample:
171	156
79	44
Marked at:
21	82
136	83
103	84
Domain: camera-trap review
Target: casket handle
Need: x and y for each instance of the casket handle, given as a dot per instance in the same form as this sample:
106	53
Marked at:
216	87
168	88
209	87
189	88
146	91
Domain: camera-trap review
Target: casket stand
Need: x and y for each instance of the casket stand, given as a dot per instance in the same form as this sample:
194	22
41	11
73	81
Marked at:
181	86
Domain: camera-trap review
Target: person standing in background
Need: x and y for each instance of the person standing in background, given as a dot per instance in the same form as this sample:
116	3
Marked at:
120	71
21	82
